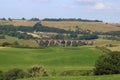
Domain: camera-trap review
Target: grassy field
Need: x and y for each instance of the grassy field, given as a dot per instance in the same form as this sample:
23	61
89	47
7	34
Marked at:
56	59
110	77
68	25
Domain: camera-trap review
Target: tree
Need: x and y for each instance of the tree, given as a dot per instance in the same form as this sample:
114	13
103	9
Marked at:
6	44
89	37
3	19
23	18
37	26
9	19
16	44
59	36
108	64
73	35
34	19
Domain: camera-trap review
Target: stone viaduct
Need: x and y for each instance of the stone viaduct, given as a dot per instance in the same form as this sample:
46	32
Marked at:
61	42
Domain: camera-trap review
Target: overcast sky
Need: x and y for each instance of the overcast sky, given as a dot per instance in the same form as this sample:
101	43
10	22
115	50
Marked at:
106	10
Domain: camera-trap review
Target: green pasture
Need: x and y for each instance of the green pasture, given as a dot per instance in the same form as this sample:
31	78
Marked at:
52	58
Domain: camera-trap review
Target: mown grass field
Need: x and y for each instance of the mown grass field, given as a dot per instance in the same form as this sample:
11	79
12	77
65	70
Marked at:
110	77
53	59
68	25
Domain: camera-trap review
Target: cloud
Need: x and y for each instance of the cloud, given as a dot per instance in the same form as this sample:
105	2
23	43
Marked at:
38	1
87	2
104	6
95	4
99	6
41	0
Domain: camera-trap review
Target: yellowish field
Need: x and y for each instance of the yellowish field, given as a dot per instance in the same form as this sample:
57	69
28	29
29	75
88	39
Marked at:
68	25
18	22
103	42
117	48
93	26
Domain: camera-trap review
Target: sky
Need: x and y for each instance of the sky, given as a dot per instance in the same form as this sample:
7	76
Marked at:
105	10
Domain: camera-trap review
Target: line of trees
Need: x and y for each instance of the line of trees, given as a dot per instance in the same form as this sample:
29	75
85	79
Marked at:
54	19
75	36
112	33
70	19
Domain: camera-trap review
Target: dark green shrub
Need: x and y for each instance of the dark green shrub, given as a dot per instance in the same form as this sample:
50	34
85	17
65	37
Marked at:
37	71
6	44
1	75
77	73
108	64
14	74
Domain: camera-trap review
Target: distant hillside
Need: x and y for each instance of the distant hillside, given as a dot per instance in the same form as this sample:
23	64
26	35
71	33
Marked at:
67	25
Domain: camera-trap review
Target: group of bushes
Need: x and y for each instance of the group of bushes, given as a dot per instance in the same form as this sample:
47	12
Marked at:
108	63
32	72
